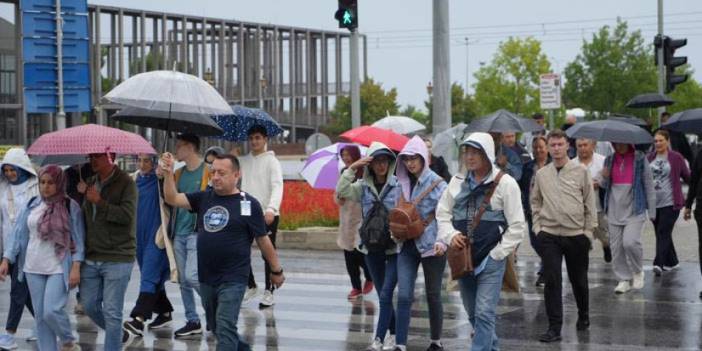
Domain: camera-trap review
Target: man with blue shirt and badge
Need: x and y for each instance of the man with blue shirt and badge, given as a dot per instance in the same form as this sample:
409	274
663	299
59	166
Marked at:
228	220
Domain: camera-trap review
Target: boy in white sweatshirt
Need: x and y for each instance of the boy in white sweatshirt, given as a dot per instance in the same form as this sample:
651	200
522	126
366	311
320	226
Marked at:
262	178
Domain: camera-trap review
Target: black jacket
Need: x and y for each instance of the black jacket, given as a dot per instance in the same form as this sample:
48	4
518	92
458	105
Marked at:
695	191
439	166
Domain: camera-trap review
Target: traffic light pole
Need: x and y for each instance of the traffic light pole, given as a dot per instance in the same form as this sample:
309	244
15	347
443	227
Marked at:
661	63
355	82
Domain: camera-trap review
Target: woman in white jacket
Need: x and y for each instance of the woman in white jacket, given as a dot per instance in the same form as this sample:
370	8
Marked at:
18	185
501	229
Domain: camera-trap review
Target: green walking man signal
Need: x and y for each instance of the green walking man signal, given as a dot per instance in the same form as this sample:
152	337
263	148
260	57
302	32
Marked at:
347	14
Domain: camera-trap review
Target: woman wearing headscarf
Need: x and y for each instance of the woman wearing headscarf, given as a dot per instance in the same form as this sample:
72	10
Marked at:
47	248
350	218
629	194
152	260
18	184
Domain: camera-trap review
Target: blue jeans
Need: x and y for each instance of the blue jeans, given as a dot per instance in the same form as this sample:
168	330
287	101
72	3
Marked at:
383	269
186	260
102	289
49	295
407	265
222	304
480	295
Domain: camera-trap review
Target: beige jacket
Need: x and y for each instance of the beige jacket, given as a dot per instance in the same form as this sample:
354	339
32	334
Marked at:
563	203
350	219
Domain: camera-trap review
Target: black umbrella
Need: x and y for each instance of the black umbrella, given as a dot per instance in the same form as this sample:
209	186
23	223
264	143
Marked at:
688	121
195	123
610	130
503	121
649	100
628	119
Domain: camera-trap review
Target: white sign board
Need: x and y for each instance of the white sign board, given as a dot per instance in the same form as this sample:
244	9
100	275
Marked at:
550	88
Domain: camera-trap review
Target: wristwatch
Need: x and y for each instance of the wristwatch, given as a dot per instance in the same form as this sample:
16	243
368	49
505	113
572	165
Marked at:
280	272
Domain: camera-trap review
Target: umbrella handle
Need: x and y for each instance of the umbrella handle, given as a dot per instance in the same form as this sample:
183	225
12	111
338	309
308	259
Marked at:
168	127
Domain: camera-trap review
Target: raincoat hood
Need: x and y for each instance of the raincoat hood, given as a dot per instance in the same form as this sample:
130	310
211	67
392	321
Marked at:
415	146
379	147
18	158
483	142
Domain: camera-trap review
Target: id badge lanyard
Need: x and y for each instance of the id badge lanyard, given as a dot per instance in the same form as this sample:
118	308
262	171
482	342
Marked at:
245	206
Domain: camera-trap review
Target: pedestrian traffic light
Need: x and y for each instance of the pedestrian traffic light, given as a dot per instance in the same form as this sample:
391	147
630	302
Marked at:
347	14
672	62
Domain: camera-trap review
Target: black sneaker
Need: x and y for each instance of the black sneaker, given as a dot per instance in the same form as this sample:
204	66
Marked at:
550	336
540	281
127	338
190	328
134	327
582	324
607	254
161	321
435	347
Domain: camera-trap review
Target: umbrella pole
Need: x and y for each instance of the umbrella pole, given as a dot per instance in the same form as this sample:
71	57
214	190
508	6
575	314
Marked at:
168	129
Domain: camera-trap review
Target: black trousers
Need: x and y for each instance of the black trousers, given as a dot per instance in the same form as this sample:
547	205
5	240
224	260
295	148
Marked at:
665	249
19	298
149	303
355	262
272	231
575	251
698	219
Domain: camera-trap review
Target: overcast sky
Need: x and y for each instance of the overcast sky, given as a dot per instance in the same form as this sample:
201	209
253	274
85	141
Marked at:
399	31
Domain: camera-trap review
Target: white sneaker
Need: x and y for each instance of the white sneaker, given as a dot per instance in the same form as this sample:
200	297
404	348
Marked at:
7	342
32	337
250	294
389	343
377	345
622	287
267	300
638	281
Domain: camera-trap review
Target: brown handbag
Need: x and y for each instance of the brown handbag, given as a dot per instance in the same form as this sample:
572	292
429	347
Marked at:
461	260
404	220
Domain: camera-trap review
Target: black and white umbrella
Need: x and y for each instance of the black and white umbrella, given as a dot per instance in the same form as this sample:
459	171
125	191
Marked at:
688	121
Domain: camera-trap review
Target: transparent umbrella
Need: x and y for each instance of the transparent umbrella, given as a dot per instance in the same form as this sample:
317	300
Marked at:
446	144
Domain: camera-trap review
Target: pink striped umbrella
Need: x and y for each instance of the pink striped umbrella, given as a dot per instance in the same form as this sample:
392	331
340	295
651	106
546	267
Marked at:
90	139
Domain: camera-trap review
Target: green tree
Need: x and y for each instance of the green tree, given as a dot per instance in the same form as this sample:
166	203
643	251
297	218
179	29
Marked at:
614	66
376	103
511	80
463	106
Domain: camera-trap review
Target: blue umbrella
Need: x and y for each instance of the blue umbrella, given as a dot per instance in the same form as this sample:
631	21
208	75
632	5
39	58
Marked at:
237	124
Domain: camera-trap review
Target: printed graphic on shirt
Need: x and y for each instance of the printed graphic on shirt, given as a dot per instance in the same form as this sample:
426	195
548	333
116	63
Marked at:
216	218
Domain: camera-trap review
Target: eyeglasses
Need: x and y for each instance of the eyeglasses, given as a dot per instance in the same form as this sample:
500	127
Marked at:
408	158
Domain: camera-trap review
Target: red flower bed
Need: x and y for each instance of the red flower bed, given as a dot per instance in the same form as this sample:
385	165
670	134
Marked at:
304	206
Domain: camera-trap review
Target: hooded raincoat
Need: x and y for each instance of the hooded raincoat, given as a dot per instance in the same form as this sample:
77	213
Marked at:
416	146
15	197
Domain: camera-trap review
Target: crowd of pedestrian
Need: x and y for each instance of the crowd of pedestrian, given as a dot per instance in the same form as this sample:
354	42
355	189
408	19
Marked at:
85	226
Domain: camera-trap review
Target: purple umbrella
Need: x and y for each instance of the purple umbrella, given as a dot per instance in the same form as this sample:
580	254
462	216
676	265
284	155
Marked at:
322	168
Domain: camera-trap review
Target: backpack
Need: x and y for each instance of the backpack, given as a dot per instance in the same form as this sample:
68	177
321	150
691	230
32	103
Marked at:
375	231
405	221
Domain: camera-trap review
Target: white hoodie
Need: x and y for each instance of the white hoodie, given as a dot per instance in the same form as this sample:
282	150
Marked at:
507	197
262	177
14	198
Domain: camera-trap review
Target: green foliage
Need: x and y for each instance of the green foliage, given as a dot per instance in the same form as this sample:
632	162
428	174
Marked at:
511	80
376	103
612	67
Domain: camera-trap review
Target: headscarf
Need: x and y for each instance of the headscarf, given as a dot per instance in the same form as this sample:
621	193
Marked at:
54	223
22	175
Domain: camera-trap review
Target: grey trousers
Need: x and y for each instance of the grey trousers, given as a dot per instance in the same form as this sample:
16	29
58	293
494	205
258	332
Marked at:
601	232
627	250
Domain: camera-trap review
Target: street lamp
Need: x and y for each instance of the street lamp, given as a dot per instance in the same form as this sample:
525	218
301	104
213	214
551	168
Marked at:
209	77
430	88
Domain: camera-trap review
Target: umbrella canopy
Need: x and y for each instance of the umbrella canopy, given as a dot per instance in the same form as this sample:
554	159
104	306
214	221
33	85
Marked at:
610	130
90	139
169	91
503	121
446	144
649	100
240	119
322	168
181	122
399	124
365	135
688	121
628	119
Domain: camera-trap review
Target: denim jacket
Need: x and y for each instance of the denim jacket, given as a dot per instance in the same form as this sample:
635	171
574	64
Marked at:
644	196
425	243
16	248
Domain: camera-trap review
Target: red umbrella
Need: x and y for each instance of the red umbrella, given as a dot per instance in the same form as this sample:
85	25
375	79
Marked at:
90	139
365	135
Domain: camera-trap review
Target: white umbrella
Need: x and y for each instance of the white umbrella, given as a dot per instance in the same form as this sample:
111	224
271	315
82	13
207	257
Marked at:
399	124
446	144
170	91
